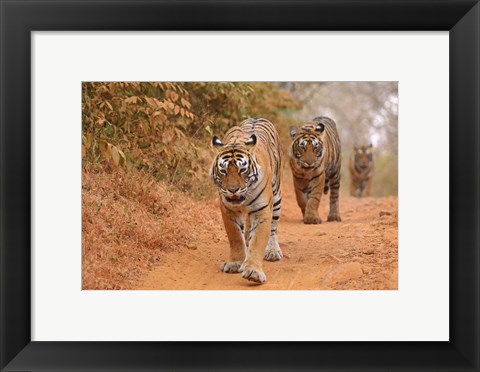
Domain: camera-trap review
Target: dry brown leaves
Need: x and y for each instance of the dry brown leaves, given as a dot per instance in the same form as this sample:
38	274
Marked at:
128	220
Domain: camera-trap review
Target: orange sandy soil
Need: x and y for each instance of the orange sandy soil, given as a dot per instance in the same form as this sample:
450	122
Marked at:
361	252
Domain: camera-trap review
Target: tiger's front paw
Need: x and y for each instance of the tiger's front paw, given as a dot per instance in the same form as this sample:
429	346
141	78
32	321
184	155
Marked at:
254	275
312	219
273	251
273	254
334	217
231	267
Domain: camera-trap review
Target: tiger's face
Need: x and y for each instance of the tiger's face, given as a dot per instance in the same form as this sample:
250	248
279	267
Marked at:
307	147
363	156
234	170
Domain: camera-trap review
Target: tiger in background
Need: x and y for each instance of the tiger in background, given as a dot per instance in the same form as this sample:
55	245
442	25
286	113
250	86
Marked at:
246	171
361	171
315	160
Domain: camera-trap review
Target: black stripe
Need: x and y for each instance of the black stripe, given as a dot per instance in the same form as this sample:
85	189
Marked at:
276	209
318	175
260	193
275	217
275	190
228	209
319	165
240	225
259	209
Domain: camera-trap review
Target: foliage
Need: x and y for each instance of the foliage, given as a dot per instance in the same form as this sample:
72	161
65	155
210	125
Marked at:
128	221
164	128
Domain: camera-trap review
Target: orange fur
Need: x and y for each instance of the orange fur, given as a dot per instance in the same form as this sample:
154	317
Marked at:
362	169
247	173
315	162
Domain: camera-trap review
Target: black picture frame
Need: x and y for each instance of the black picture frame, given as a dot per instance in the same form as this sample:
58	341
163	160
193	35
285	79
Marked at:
20	17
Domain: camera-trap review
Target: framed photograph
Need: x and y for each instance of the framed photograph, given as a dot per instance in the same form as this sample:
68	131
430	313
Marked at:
270	185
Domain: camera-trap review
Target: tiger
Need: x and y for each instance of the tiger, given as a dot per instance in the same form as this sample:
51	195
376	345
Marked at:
361	170
246	171
315	161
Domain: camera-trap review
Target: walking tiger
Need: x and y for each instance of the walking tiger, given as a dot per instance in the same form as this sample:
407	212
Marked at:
315	162
361	171
246	170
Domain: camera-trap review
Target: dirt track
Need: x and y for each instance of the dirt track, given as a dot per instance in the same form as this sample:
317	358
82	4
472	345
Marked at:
361	252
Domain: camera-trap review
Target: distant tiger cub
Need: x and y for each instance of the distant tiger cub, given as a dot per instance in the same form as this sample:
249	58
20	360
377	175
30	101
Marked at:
246	171
361	171
315	162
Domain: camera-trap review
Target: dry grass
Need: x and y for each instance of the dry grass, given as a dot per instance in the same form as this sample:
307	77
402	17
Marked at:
128	220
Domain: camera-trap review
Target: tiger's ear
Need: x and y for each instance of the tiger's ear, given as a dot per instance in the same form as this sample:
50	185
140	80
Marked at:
293	132
216	142
370	145
320	127
252	141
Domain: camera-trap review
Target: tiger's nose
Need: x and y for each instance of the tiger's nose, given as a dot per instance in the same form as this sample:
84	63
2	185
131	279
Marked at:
234	190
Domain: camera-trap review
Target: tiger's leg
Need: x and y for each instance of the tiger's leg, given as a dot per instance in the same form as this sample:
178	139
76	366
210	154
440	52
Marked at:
334	214
246	232
260	222
301	198
361	189
326	188
353	188
233	222
369	187
311	215
273	251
